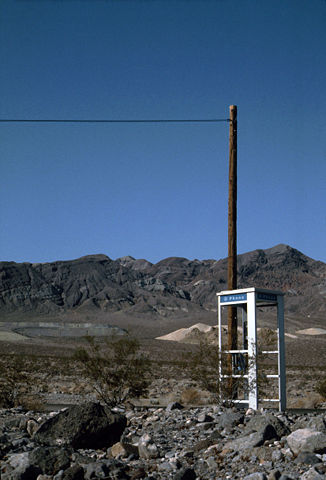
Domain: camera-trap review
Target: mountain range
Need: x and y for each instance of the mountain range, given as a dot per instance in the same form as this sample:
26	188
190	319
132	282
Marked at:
174	288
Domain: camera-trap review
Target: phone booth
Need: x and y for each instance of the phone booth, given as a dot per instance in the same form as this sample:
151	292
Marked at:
241	363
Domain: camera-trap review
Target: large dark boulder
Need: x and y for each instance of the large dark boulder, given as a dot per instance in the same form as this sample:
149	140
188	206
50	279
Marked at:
82	426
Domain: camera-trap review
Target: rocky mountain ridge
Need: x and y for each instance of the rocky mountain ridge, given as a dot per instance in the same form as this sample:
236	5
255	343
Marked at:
172	287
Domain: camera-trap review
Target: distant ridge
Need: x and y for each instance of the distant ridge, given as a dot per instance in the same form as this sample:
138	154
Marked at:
171	288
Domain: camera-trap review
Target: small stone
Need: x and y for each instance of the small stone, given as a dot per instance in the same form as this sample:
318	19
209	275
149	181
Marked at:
274	475
321	468
244	443
174	406
307	458
165	466
312	474
256	476
277	455
76	472
146	448
31	427
59	475
250	411
211	463
204	418
117	450
230	419
287	452
50	459
185	474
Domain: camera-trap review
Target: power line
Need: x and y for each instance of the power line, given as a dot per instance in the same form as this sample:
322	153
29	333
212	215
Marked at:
201	120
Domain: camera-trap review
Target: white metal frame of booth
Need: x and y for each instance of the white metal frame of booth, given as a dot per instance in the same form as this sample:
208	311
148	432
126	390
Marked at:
249	299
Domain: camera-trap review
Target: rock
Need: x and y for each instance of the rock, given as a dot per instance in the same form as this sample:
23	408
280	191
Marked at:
274	475
264	454
117	450
59	475
204	418
82	426
146	448
50	459
312	474
19	468
269	425
230	419
173	445
111	469
245	443
250	411
307	440
314	423
277	455
212	439
97	470
76	472
31	427
174	406
129	445
307	458
321	467
138	473
255	476
185	474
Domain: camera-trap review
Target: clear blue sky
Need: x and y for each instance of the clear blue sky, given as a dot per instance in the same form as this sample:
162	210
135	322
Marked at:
153	191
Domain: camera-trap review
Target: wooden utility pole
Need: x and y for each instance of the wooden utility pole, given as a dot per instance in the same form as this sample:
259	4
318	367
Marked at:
232	229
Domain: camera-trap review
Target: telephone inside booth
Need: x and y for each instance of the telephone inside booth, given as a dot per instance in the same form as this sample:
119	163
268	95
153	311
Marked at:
239	366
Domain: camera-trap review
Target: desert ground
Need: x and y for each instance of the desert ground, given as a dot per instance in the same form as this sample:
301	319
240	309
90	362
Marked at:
59	382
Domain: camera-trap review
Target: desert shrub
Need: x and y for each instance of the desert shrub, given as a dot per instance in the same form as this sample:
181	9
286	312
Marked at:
32	401
193	396
117	370
17	383
12	380
321	388
203	368
267	338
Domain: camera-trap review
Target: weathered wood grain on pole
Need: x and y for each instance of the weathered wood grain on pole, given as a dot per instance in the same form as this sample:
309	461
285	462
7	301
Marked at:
232	227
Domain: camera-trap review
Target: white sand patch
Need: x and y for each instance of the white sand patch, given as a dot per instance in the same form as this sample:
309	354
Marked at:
180	335
202	327
176	336
11	337
312	331
290	335
187	334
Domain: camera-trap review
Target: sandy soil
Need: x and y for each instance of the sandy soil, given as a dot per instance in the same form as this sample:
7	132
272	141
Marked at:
305	357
